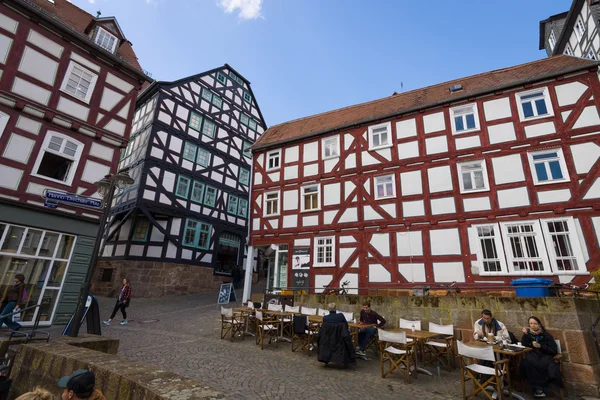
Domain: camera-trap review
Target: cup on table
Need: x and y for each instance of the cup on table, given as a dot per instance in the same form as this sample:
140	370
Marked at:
490	337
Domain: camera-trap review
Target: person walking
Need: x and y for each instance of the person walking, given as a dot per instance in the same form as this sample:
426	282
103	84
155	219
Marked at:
14	296
122	303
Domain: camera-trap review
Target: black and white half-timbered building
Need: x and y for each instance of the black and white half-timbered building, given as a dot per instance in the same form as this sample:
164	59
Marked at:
187	214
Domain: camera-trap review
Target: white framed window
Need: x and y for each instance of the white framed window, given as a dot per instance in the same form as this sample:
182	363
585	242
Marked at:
271	203
384	187
380	136
534	104
568	50
490	251
552	40
79	82
564	249
579	28
591	55
325	251
273	159
525	249
106	40
331	147
464	119
311	195
473	176
548	166
58	158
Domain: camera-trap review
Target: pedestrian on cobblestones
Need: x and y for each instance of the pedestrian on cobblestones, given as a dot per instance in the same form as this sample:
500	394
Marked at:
37	394
122	303
79	386
367	317
14	296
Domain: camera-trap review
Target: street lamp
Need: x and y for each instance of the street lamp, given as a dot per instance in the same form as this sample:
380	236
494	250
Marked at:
106	189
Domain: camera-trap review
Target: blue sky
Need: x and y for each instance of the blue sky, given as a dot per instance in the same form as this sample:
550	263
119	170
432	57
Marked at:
305	57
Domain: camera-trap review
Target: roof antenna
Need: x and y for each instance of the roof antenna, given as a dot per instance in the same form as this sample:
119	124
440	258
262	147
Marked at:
98	14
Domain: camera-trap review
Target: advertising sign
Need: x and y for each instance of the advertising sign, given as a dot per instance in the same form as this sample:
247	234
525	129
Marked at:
301	258
52	196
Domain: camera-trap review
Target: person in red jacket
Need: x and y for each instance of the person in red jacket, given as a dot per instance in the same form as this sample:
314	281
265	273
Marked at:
122	302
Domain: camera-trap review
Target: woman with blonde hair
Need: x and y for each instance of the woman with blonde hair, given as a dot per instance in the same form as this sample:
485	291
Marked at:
37	394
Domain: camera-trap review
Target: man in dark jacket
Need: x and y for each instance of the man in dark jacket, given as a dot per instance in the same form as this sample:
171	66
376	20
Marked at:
368	317
334	316
335	341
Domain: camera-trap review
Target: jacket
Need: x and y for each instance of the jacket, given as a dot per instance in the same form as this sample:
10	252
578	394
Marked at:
499	326
124	295
15	293
96	395
335	344
335	317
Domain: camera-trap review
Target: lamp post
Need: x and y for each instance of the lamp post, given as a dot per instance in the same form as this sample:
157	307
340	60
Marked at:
106	189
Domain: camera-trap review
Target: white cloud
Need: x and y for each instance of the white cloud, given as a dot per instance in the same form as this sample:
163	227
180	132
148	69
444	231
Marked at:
248	9
92	1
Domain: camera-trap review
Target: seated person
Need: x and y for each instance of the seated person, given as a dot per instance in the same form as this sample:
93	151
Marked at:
335	341
334	316
538	367
368	316
488	324
80	385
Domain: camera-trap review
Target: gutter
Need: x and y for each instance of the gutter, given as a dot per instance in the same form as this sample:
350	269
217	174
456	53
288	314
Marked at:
430	105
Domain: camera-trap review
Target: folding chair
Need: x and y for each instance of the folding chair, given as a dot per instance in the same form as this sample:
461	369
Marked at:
275	307
287	321
408	324
231	324
323	312
349	316
470	371
299	332
309	311
395	349
266	327
442	348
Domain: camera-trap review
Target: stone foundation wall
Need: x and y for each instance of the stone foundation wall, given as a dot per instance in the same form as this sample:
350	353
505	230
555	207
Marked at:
568	319
43	364
155	279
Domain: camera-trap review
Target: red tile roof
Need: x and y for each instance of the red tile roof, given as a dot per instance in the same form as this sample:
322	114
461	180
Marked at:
420	99
78	20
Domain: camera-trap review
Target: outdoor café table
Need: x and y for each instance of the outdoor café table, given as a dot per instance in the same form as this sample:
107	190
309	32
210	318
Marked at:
419	337
316	320
355	327
280	315
504	353
246	312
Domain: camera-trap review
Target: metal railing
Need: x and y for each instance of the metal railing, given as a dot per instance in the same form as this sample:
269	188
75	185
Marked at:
33	330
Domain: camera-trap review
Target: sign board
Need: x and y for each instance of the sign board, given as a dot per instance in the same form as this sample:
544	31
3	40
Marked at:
226	293
53	196
301	258
301	280
50	204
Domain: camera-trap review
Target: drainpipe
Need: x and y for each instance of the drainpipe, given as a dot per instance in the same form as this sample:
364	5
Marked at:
250	255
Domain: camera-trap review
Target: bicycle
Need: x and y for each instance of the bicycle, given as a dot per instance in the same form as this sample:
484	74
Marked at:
337	291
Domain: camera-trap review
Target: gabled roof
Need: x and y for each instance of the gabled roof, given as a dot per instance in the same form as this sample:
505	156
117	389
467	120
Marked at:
114	20
557	22
569	23
396	105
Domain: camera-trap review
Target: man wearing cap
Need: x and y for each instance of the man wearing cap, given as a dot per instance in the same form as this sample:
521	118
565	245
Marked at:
80	385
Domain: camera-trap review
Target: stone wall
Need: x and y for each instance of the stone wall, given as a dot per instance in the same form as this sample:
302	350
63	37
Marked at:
156	279
568	319
43	364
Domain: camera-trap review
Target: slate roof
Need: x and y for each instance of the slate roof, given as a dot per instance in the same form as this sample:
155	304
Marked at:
421	99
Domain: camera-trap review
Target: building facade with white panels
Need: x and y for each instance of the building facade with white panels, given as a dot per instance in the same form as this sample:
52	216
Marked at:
477	181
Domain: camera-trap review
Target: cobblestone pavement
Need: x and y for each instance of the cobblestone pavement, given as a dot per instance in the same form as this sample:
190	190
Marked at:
186	340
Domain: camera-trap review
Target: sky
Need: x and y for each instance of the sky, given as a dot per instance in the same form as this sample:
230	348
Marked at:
304	57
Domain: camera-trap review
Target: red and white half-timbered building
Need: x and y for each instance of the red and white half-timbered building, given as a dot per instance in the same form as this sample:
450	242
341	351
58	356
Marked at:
477	181
68	84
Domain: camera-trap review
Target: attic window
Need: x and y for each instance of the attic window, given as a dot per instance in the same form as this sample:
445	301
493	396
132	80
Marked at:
106	40
455	88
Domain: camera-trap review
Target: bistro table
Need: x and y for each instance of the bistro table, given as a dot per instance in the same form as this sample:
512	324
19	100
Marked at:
280	315
419	337
246	312
315	321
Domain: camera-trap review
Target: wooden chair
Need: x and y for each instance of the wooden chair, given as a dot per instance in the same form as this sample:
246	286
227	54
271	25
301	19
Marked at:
231	324
348	315
395	349
275	307
442	348
309	311
266	327
300	333
323	312
470	370
287	321
408	324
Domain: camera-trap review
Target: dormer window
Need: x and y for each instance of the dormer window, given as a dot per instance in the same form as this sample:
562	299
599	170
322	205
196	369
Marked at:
106	40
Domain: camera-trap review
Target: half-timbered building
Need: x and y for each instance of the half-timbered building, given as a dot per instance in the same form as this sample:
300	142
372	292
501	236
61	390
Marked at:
68	84
477	181
188	213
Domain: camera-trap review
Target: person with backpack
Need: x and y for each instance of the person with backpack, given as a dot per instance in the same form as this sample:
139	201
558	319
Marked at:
122	302
14	296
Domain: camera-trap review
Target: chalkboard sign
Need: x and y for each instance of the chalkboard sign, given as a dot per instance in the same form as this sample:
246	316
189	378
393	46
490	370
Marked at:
226	293
301	279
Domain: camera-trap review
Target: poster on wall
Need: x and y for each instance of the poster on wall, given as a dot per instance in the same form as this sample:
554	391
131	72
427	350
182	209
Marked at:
301	258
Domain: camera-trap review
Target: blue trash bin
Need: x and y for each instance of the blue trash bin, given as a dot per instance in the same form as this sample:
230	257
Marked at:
532	287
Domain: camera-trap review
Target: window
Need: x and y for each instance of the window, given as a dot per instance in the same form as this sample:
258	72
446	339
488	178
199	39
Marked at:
232	205
246	149
217	102
243	208
183	186
247	97
252	124
324	250
272	203
106	40
273	159
384	187
579	28
203	157
210	196
236	78
379	136
464	118
490	252
196	234
244	177
568	50
310	198
244	119
552	40
189	151
58	158
473	176
563	245
141	229
197	192
221	78
331	147
207	95
534	104
591	55
525	250
209	128
548	166
195	121
79	82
